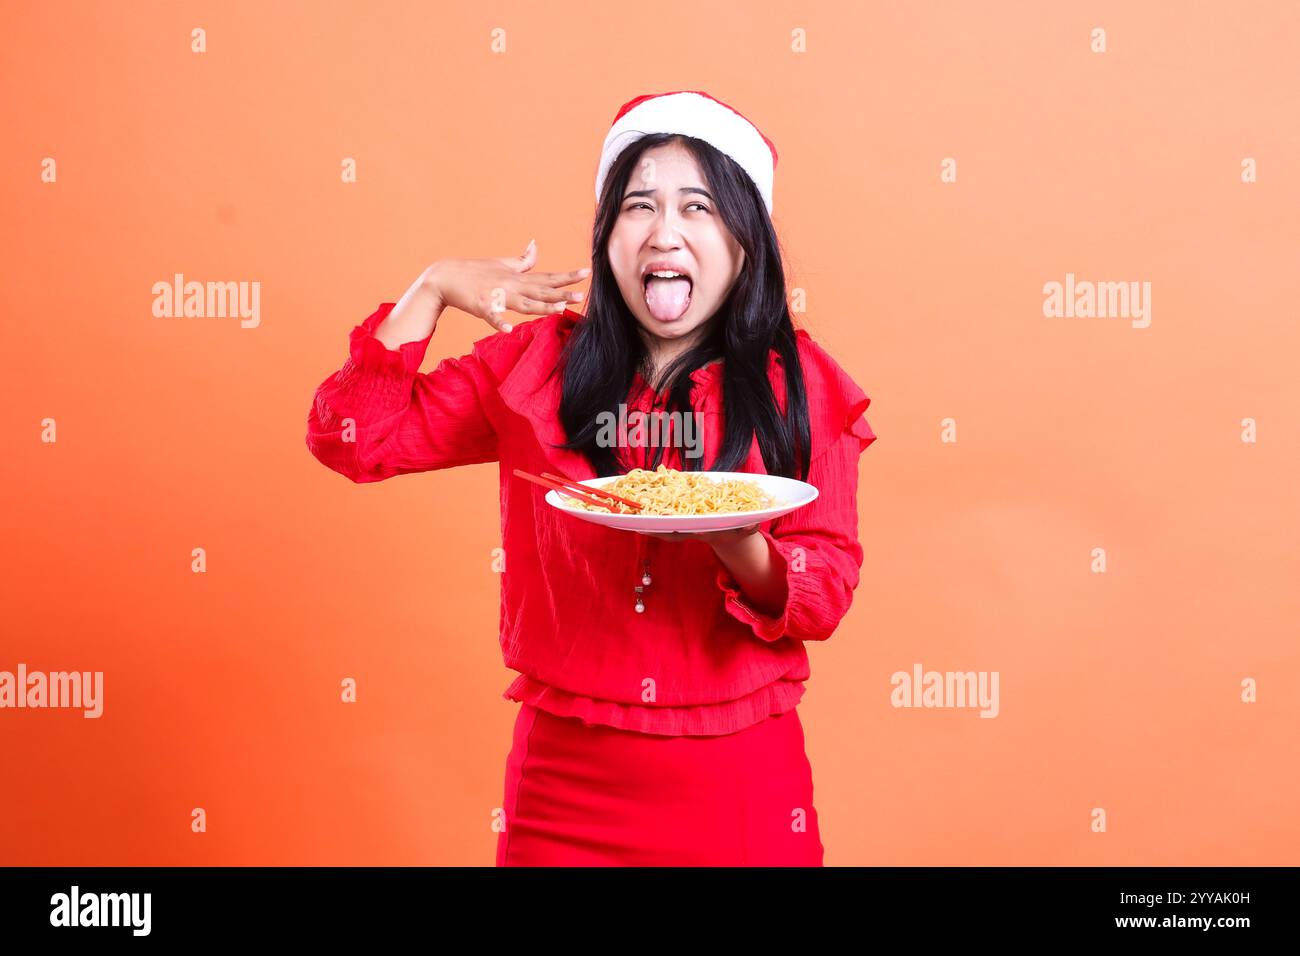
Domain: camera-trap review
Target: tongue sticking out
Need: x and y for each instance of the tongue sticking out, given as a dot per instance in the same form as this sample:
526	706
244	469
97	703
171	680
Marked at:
667	299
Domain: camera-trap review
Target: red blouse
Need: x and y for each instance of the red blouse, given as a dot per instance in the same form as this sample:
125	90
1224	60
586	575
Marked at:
697	660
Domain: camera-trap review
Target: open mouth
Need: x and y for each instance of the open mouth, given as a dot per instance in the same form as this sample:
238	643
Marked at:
667	293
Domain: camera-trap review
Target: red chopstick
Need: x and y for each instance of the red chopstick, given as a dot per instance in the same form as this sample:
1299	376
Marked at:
634	505
557	486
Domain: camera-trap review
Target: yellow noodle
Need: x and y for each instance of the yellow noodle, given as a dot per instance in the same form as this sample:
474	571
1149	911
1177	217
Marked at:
667	491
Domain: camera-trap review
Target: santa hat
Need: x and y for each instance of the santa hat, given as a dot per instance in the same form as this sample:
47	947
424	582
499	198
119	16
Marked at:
692	113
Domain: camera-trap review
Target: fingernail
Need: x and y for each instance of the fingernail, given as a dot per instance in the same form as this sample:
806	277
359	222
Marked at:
584	272
530	243
506	326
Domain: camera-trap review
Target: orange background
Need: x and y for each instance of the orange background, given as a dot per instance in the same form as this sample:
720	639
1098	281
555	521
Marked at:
1118	690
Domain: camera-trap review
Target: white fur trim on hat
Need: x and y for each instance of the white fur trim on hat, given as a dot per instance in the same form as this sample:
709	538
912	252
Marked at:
699	115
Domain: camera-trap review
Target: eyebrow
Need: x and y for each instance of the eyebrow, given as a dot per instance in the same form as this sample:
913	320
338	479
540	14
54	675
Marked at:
684	189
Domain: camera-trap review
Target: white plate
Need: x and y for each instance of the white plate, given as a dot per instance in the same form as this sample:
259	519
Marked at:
789	494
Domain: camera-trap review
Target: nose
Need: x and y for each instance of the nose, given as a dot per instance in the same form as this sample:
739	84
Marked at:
664	235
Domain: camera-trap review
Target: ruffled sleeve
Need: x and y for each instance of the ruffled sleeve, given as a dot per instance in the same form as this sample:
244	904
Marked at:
377	416
816	547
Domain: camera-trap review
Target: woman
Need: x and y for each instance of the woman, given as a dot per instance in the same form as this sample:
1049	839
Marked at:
658	674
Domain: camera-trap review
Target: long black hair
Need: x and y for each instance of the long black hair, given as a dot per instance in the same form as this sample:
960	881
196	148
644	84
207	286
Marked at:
605	351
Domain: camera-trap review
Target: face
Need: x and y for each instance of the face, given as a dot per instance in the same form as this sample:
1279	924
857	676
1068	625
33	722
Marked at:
668	221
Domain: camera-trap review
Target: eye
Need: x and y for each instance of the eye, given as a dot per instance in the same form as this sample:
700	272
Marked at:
638	205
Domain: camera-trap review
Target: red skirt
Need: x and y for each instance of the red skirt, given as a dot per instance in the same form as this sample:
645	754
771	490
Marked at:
578	794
